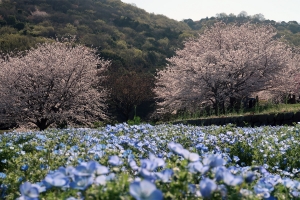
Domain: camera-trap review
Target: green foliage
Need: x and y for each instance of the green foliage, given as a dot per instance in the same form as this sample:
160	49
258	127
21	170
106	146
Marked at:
135	121
111	25
98	124
11	20
243	151
16	42
262	108
290	30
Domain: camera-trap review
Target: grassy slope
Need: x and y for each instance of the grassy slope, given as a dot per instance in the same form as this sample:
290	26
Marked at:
263	109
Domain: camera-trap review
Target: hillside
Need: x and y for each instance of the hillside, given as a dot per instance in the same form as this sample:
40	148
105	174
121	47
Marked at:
130	36
120	31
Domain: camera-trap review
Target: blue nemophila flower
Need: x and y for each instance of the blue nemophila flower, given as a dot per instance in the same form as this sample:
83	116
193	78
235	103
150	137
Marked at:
219	173
57	179
100	180
262	192
79	197
71	198
165	175
94	166
214	160
179	150
159	161
249	177
90	168
246	193
266	185
223	190
147	174
115	161
127	153
3	189
74	148
193	189
207	187
110	176
81	182
96	157
193	157
175	147
29	191
101	170
230	179
223	174
83	174
195	167
202	147
295	193
297	185
149	165
133	165
43	166
236	158
24	167
270	181
2	175
41	137
287	182
263	171
145	190
39	148
8	144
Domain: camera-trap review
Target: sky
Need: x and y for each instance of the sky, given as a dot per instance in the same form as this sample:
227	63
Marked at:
277	10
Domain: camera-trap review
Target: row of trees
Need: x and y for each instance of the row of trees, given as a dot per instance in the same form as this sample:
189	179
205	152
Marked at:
227	61
63	83
67	83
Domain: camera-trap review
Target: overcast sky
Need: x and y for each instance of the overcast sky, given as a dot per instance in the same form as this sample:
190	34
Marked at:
277	10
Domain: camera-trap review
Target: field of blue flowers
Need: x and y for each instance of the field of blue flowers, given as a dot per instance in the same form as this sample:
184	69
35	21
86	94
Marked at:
151	162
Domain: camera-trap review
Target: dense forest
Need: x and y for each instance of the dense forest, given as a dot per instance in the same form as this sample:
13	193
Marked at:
137	42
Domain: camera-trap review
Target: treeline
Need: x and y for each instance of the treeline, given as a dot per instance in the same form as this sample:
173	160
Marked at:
290	30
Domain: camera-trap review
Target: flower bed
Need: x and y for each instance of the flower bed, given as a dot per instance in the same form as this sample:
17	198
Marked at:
151	162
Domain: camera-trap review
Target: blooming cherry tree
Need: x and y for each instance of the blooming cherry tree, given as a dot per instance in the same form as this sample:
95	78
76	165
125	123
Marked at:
225	61
53	83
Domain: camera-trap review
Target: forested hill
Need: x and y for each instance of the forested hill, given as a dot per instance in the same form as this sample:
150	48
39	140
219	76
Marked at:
122	32
128	35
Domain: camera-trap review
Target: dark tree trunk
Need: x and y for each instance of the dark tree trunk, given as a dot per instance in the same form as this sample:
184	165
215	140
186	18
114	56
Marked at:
42	123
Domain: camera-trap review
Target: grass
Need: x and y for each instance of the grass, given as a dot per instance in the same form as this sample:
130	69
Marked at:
3	131
263	108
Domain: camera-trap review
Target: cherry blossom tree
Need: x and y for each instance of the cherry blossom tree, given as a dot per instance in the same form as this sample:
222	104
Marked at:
226	61
52	83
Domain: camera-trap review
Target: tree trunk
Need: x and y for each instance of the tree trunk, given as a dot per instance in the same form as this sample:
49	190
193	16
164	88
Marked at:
42	124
